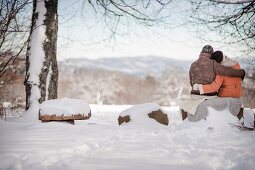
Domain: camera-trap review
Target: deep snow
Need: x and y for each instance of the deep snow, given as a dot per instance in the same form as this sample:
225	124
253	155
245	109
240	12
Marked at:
100	143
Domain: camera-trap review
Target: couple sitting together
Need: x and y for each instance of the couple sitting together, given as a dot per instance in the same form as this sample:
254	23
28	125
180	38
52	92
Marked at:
216	82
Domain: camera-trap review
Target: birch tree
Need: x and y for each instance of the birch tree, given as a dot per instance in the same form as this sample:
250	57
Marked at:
41	69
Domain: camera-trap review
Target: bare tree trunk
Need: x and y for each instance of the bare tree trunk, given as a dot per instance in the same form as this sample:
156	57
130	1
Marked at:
41	69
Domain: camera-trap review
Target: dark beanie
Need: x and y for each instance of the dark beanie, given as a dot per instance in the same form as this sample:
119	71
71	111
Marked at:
217	56
207	49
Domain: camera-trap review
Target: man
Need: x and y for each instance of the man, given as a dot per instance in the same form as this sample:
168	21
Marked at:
203	71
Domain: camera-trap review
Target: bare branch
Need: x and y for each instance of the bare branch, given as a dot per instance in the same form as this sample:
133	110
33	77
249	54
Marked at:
233	20
232	2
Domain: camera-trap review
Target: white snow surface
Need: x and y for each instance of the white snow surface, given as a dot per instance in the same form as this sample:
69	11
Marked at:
100	143
139	113
65	106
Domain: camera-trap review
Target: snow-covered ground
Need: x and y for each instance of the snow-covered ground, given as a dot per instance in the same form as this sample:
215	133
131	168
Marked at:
100	143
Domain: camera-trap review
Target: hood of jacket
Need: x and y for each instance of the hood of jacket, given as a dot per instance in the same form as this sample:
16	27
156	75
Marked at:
202	55
228	62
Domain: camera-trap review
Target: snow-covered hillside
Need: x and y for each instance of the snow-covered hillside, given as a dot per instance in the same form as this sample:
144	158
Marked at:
138	66
100	143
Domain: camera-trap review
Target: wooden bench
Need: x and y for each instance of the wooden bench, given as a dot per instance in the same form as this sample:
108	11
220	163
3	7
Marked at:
69	119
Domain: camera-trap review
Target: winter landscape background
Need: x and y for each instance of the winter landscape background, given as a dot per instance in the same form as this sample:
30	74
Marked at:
124	80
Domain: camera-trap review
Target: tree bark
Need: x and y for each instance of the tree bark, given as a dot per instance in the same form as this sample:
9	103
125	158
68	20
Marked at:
49	78
48	75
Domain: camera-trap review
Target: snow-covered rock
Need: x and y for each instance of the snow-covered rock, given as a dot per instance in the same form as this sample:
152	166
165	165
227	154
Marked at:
64	109
142	113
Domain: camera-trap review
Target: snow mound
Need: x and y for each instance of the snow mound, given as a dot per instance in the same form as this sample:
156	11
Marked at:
141	114
220	120
101	144
65	106
248	118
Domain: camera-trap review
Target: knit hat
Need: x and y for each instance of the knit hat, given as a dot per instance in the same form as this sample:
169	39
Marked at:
207	49
217	56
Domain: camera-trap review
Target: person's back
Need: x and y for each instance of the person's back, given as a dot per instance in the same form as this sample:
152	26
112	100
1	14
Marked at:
201	71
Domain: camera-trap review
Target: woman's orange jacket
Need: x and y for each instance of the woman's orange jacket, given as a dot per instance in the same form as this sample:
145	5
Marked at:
226	86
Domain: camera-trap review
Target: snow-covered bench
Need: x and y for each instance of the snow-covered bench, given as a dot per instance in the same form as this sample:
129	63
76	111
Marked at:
142	112
64	110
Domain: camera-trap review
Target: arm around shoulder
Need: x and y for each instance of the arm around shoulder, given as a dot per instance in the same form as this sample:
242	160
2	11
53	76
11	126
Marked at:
214	86
227	71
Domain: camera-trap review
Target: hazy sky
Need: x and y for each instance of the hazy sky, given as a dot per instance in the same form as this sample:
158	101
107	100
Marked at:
81	34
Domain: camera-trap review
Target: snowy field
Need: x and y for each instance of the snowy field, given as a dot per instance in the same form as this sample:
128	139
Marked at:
100	143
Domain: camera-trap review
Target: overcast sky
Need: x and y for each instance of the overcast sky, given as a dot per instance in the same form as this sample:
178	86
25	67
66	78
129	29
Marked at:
81	34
